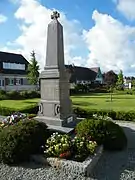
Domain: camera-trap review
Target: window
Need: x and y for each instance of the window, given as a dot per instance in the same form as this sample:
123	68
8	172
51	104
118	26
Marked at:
21	81
0	82
13	66
18	81
11	81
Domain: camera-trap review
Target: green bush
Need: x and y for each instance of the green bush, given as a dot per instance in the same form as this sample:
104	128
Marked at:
103	132
32	109
18	142
83	147
3	95
13	95
29	94
2	92
24	94
116	115
30	116
33	94
58	144
17	95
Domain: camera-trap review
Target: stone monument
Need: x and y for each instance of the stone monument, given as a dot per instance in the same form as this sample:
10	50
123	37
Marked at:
55	107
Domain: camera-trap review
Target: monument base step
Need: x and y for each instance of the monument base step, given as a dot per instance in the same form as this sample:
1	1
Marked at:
49	120
60	129
57	124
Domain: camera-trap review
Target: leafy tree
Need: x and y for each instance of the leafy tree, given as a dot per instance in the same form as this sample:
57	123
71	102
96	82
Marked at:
33	70
120	80
133	83
110	78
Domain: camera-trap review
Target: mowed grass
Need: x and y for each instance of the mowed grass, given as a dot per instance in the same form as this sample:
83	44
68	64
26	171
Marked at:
123	102
97	101
18	104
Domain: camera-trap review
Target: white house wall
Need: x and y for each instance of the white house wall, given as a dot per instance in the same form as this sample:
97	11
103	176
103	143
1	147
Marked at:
25	86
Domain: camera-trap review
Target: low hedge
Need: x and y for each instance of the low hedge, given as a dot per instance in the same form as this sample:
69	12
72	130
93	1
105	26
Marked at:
18	95
19	141
80	112
116	115
4	111
104	132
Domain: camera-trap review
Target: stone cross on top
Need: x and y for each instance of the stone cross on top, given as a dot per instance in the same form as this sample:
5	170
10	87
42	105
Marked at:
55	15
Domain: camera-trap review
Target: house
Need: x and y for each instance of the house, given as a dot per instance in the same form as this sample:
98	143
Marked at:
99	76
13	72
85	75
128	82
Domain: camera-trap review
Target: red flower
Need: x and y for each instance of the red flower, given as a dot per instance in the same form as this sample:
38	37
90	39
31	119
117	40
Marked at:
65	154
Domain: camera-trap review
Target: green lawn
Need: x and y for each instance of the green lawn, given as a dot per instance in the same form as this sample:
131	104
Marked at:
91	101
122	102
18	104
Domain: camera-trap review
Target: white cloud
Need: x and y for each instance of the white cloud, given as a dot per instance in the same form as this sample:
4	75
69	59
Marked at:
111	44
127	8
34	21
2	18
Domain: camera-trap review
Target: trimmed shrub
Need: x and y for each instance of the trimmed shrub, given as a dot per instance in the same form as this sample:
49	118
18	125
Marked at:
29	94
2	92
13	95
32	109
80	112
24	94
33	94
18	95
3	95
31	116
116	115
19	141
103	132
4	111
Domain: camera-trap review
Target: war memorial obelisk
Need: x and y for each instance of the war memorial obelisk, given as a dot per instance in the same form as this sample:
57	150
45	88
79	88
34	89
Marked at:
55	107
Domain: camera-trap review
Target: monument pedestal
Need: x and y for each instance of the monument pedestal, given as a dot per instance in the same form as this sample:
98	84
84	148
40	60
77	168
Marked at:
55	106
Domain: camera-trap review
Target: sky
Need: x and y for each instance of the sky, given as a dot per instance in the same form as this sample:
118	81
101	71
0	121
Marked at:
96	32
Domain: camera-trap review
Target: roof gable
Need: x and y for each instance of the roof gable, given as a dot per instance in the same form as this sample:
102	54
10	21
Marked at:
12	58
82	73
95	69
6	57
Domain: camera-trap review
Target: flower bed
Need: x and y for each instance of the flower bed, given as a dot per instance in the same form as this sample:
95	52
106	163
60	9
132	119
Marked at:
63	146
78	155
14	118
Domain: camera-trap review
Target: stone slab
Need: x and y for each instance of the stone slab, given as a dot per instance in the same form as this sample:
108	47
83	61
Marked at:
60	129
56	124
68	166
49	120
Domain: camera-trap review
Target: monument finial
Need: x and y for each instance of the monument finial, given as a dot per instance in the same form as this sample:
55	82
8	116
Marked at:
55	15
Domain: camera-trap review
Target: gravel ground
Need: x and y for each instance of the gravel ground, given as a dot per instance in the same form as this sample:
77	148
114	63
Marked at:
112	166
